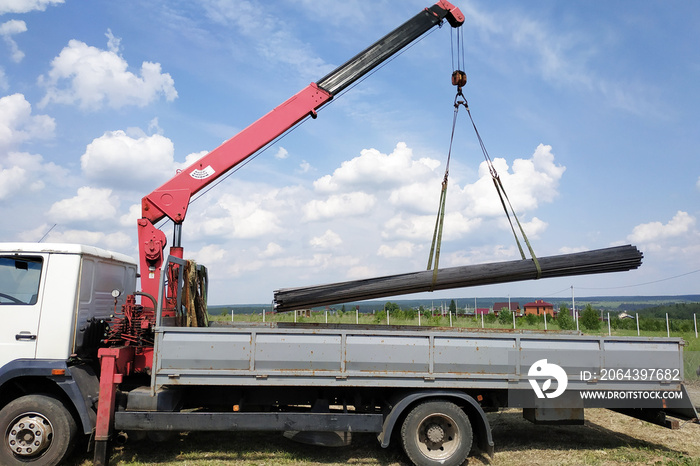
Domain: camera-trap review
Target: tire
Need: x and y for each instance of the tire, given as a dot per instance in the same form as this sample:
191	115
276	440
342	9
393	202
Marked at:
437	433
36	430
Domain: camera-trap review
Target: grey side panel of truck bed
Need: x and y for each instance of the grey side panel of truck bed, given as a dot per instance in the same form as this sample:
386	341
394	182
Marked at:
269	355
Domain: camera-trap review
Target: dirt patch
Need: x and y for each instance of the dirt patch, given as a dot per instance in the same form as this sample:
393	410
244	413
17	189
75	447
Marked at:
606	438
693	387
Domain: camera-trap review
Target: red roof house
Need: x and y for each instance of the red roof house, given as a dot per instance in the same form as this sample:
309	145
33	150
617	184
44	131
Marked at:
513	306
539	307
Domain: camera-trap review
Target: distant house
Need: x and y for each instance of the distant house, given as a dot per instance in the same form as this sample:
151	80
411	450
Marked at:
539	308
512	307
482	310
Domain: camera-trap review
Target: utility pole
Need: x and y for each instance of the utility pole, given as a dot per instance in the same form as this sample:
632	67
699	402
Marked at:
573	307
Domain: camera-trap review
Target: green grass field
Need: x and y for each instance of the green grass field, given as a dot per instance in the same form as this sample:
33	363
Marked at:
441	321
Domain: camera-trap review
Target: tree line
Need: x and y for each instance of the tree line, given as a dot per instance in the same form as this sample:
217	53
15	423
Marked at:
651	319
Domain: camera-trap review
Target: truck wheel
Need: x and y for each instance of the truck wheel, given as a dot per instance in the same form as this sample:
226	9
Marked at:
37	429
437	432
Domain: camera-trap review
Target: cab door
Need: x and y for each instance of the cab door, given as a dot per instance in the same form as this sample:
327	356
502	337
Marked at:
20	304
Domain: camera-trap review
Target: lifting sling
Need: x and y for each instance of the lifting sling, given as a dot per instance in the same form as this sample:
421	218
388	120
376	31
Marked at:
459	79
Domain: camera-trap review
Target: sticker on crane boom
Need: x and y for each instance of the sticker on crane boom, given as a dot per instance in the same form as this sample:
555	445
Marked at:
200	174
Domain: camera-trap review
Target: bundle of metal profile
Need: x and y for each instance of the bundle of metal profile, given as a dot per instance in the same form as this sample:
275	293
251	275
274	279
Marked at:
615	259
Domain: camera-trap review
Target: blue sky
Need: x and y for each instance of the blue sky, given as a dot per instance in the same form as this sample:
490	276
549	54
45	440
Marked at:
589	111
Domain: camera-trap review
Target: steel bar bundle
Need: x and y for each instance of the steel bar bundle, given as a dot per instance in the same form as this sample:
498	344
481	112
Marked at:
615	259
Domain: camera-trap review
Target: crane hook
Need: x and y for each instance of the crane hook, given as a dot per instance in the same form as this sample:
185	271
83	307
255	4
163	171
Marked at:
459	78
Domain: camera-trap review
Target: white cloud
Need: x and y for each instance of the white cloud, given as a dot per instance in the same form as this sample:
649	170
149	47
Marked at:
419	197
375	170
358	272
400	249
272	250
209	255
380	218
24	173
25	6
327	240
118	160
421	227
131	159
190	159
17	124
154	127
89	204
76	236
7	30
479	255
378	222
299	264
11	179
317	261
113	43
339	205
256	223
471	210
359	186
91	78
241	217
534	228
13	26
304	167
680	224
281	153
117	241
129	219
391	216
530	182
412	227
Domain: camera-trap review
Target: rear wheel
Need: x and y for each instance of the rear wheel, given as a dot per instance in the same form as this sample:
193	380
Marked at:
437	433
37	430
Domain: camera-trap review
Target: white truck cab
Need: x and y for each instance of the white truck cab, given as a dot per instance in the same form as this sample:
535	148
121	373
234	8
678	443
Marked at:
49	293
54	299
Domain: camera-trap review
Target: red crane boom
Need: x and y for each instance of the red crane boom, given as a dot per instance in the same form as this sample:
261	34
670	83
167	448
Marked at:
172	198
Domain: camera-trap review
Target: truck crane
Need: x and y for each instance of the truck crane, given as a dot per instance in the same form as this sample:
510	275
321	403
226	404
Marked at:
79	356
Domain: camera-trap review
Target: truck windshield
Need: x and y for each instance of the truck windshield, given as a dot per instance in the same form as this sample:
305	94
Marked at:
19	279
